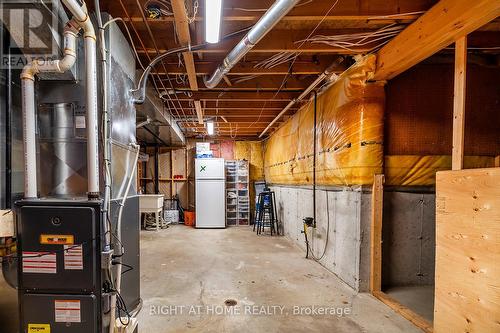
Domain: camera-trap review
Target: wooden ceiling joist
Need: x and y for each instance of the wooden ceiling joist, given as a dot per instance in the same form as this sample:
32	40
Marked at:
439	27
182	29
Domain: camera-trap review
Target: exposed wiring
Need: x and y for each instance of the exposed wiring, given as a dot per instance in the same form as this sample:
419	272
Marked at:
116	296
108	180
310	250
245	78
276	60
395	15
293	61
350	41
157	8
119	19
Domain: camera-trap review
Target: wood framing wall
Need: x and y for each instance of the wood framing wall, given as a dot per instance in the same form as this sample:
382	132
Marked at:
419	110
467	297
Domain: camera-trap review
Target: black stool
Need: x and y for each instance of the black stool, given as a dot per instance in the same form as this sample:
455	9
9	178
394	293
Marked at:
266	213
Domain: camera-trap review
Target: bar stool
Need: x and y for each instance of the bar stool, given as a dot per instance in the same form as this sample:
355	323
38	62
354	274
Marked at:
266	213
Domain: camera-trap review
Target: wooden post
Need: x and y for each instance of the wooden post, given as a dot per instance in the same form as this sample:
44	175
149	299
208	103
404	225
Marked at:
459	103
497	161
376	234
172	185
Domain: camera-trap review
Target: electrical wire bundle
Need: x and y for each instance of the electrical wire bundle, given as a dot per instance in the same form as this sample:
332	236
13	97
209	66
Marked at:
245	78
351	41
277	59
157	8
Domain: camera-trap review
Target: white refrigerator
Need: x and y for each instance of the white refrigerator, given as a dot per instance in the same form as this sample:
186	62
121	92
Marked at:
210	193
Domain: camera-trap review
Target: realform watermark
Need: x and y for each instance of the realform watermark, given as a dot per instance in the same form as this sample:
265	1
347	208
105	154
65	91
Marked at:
30	30
249	310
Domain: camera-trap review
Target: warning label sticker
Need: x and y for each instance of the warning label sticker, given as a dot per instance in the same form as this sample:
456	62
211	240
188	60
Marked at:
73	257
38	328
68	311
39	262
57	239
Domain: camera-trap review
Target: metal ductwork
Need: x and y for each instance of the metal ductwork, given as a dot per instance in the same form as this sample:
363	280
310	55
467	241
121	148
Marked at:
80	21
274	14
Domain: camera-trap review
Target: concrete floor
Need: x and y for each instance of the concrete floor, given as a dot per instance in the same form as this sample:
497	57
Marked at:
8	307
420	299
187	274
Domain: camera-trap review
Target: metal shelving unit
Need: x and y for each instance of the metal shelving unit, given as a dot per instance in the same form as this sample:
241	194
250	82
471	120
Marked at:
237	193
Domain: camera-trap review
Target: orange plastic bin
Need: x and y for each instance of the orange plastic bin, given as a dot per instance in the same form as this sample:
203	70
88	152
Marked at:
189	218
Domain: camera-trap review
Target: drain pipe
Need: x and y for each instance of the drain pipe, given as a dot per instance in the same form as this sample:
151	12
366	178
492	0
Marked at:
79	21
306	92
28	103
273	15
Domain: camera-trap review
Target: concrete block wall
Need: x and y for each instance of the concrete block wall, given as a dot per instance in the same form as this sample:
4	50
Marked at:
408	235
408	248
347	210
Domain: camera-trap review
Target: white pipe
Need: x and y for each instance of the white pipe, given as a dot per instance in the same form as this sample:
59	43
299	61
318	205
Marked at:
119	240
80	13
92	121
28	103
266	23
29	125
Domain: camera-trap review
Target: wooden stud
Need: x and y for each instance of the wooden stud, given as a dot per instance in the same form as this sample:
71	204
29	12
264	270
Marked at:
459	103
172	185
376	233
439	27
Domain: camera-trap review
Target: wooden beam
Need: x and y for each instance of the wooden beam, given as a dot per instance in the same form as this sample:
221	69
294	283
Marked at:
457	156
414	318
182	29
439	27
199	112
376	233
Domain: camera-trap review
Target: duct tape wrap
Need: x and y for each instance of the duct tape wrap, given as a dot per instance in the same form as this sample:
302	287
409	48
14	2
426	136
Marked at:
349	134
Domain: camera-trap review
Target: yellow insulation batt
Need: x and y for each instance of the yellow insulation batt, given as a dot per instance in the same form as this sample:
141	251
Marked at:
252	152
412	170
349	134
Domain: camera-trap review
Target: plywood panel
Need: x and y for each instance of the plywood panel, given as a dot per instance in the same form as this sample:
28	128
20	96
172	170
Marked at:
467	251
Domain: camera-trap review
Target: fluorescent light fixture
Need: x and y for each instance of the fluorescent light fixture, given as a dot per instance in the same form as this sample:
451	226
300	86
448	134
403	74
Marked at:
213	14
210	127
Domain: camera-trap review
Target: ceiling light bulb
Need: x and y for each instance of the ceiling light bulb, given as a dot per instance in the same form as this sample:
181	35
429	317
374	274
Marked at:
213	15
